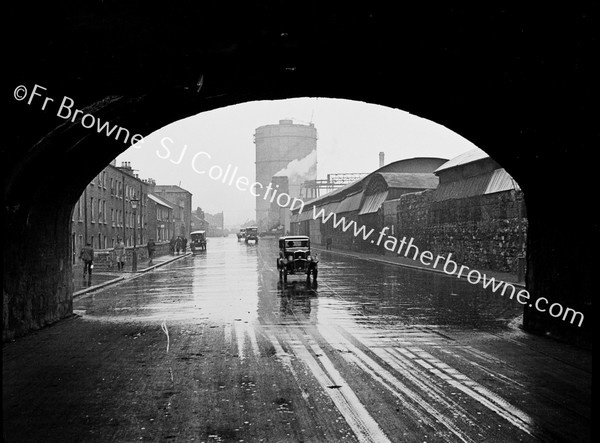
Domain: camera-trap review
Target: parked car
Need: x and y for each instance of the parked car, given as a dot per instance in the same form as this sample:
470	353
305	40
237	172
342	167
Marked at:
295	257
197	241
241	234
251	234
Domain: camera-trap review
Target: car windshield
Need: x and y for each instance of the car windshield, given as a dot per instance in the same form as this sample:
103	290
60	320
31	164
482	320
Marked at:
296	244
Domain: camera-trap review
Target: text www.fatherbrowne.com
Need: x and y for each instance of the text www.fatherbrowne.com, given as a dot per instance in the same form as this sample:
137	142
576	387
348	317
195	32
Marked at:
450	267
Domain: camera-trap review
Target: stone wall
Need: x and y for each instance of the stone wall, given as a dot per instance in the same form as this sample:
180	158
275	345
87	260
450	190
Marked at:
484	232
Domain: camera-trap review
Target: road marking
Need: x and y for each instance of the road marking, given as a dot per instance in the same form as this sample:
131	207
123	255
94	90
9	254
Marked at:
356	415
286	360
476	391
239	338
423	410
253	341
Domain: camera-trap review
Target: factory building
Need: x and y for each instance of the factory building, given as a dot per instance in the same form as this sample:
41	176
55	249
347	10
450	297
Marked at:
283	150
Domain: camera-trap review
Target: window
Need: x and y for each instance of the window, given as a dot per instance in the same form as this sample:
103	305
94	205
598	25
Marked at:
112	217
92	212
112	187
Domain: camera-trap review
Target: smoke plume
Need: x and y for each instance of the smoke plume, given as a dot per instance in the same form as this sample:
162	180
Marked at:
298	169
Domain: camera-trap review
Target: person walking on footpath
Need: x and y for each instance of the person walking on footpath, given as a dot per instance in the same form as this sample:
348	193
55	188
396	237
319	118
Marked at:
119	250
178	244
184	244
87	255
172	245
151	248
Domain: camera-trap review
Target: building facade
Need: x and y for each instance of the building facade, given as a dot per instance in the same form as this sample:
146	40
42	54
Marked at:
181	201
161	224
104	211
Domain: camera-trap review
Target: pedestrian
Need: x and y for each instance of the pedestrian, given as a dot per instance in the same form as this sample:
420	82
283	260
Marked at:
172	245
151	248
178	244
184	244
87	255
119	251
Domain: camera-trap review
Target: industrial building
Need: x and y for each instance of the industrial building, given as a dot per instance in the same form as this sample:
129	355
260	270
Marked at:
363	200
283	150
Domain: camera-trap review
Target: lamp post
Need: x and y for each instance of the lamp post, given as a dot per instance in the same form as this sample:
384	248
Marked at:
134	204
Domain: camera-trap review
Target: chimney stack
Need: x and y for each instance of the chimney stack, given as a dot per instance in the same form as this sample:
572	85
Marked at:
381	159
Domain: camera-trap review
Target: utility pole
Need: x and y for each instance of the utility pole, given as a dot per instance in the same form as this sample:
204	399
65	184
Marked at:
123	197
85	217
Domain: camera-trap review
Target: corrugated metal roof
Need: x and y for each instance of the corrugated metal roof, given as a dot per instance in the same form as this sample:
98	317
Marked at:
159	201
467	157
469	187
496	181
350	203
331	207
373	202
410	180
501	181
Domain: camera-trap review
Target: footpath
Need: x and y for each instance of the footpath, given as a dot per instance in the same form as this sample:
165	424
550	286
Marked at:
102	277
399	260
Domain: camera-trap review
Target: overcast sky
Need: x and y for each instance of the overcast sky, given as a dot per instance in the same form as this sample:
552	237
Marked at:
350	136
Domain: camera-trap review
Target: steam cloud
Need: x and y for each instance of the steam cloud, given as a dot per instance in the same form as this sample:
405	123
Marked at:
299	168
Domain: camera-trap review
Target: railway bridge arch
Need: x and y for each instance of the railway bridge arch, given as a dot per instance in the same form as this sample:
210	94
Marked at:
503	79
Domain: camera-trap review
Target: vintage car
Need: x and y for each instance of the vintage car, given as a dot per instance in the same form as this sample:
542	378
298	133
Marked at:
296	258
198	241
251	234
241	234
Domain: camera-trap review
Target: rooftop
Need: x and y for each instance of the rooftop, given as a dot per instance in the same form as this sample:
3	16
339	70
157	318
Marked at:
158	200
467	157
170	188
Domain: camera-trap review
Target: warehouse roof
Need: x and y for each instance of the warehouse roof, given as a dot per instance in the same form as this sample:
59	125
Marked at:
467	157
410	180
495	181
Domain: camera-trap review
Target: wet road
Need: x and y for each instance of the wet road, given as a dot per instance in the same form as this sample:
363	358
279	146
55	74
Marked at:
216	348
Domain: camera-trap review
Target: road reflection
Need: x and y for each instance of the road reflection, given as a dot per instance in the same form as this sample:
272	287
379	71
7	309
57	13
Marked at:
235	281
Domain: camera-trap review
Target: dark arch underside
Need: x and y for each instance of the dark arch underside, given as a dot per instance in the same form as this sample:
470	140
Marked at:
513	82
